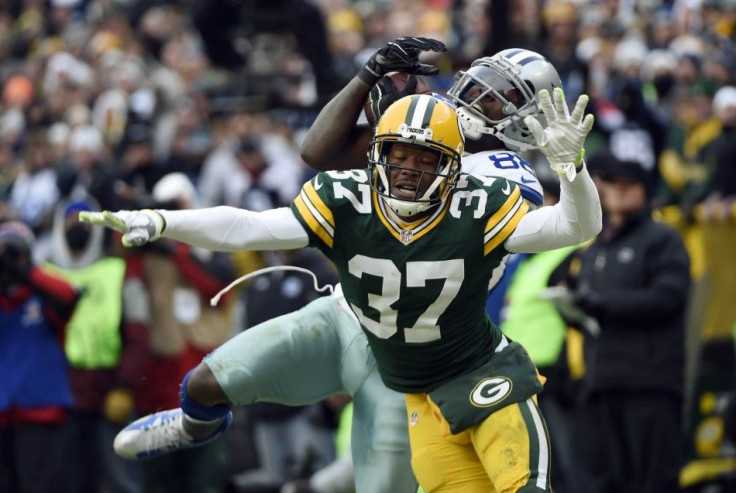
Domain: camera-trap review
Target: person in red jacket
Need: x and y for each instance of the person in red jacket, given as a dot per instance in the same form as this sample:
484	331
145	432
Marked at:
35	396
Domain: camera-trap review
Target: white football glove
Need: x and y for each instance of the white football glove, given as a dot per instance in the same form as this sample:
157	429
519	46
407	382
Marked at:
562	140
138	227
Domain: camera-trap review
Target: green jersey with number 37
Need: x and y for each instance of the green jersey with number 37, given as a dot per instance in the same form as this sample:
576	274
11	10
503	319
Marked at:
418	289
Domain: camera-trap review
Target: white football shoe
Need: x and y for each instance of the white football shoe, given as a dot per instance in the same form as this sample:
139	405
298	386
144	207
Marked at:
160	433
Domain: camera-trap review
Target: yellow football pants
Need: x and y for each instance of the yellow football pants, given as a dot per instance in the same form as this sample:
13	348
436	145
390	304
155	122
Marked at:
508	452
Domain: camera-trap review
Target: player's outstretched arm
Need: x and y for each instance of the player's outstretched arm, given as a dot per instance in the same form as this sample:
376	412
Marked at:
334	141
577	216
217	228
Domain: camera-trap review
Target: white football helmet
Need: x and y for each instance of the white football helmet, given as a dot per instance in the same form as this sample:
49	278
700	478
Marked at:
518	69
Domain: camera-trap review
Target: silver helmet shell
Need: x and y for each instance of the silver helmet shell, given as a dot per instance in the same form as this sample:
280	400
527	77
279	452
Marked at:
526	71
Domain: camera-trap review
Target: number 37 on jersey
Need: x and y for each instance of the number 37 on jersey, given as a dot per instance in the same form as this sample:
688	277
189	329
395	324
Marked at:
411	281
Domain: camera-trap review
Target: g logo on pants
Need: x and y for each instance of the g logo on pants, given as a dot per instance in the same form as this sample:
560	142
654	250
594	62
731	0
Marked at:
490	391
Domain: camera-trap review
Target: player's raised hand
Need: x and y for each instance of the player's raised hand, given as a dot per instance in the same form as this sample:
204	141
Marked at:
563	138
401	55
138	227
384	93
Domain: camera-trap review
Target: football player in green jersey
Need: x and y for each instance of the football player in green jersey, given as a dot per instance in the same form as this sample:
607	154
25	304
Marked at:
416	249
325	349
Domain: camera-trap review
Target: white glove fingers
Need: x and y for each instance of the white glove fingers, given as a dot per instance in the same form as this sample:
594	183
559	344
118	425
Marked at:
588	124
91	217
545	102
558	96
579	110
136	237
113	221
536	129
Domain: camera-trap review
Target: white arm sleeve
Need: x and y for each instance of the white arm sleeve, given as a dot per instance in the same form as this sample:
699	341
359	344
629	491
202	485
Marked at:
228	229
574	219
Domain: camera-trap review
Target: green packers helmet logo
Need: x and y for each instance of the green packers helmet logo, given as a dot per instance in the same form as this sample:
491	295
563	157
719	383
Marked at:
490	391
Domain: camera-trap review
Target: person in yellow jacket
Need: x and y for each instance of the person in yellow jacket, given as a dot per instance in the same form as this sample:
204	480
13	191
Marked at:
106	347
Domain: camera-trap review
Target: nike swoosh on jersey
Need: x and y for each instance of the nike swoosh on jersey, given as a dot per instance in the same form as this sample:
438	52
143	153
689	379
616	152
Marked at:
507	189
527	180
317	183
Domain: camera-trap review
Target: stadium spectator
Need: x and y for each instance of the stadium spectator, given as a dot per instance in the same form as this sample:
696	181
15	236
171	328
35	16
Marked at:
720	191
106	346
34	193
35	398
218	21
87	172
633	280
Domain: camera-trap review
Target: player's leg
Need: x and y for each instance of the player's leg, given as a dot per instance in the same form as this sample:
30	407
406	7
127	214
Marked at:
293	359
380	438
442	463
514	448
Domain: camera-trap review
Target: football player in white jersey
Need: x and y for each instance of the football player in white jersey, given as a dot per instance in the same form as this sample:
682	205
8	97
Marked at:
337	361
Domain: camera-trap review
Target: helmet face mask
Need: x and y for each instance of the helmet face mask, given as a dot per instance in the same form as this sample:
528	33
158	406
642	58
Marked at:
513	78
426	131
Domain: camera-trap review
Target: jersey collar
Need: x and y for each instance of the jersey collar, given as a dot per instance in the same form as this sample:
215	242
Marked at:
406	233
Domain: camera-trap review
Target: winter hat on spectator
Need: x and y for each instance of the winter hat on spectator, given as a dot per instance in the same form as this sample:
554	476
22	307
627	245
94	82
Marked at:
559	11
724	98
615	169
12	122
78	115
77	206
18	91
65	3
629	52
58	134
174	187
658	62
16	233
86	138
587	48
599	161
687	45
627	170
110	114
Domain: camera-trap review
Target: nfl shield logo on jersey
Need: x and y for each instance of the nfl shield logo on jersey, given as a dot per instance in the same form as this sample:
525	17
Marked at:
414	418
406	236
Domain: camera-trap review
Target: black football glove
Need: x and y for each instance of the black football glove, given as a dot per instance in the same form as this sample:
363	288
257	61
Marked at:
384	93
401	55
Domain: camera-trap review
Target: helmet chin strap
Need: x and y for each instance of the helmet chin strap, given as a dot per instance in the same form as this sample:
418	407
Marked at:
405	208
473	126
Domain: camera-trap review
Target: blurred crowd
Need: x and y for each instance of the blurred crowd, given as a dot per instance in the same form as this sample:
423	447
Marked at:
127	104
